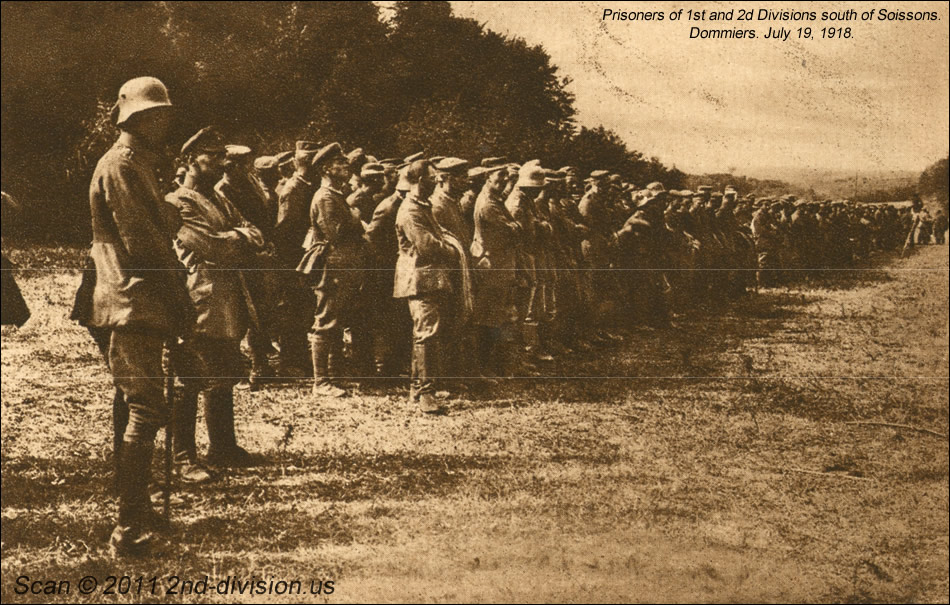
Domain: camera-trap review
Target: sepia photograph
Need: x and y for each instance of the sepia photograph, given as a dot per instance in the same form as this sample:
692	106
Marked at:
427	301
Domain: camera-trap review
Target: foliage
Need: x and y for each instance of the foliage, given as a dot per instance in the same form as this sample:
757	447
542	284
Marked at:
270	73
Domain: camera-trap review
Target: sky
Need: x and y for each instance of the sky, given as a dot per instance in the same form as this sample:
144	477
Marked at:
875	102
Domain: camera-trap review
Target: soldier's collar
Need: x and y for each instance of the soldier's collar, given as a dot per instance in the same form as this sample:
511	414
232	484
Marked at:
138	145
418	200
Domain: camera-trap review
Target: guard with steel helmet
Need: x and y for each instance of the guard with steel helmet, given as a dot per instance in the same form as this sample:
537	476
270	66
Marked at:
139	292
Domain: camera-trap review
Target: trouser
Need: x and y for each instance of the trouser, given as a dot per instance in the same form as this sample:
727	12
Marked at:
427	324
208	368
135	359
295	313
337	306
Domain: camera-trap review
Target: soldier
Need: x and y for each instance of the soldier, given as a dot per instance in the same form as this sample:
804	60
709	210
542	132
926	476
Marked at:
493	252
139	295
364	200
940	227
423	271
267	175
295	306
451	177
286	168
241	190
215	243
334	263
14	309
530	301
391	346
594	214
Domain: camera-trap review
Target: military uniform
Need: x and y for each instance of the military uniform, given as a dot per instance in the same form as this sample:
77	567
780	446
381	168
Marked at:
493	253
295	305
336	281
214	243
423	278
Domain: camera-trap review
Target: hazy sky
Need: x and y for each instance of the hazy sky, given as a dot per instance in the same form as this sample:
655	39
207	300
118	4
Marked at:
876	101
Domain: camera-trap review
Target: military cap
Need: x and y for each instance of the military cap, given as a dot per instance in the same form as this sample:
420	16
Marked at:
284	157
477	171
417	169
452	166
614	178
206	139
390	162
598	174
704	188
409	159
356	157
237	151
531	175
656	186
327	153
686	193
371	159
304	150
568	170
402	183
436	159
554	176
370	169
264	163
494	161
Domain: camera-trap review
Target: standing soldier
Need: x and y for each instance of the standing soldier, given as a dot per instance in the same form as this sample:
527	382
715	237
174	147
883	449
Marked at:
139	294
295	307
451	179
334	263
363	200
215	243
423	278
391	346
493	252
239	189
593	210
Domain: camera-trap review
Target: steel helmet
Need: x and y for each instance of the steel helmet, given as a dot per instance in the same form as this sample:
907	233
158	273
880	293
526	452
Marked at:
139	94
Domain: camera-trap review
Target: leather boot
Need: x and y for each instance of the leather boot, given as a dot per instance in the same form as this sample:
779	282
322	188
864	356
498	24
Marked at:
120	419
219	414
426	360
183	435
320	352
131	536
183	431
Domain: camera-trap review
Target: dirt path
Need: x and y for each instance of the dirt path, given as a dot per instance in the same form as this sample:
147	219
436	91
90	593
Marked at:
717	461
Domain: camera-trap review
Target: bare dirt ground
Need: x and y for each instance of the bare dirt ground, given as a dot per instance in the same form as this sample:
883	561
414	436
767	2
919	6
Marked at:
719	461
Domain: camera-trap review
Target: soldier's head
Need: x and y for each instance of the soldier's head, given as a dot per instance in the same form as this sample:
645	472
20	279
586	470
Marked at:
331	165
267	170
452	175
372	177
285	163
421	178
237	158
531	178
303	156
203	155
143	108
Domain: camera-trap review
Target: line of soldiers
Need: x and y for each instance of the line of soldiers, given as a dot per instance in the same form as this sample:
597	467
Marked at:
392	267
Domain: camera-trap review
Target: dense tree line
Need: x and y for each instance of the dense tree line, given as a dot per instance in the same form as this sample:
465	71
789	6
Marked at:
270	73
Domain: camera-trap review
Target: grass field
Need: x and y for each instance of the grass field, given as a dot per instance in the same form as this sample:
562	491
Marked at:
721	460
